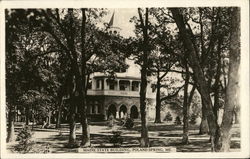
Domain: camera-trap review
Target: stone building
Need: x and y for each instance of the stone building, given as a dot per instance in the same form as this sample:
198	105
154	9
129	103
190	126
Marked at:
119	97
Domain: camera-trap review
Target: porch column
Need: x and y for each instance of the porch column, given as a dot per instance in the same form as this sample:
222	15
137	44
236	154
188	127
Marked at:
118	84
130	85
105	84
105	114
93	83
100	84
128	112
117	114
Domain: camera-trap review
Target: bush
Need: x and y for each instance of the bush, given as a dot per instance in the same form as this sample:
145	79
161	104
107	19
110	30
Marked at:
26	145
150	118
116	138
168	117
129	123
111	121
177	120
24	140
193	119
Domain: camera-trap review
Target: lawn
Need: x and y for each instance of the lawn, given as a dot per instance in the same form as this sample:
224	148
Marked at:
161	135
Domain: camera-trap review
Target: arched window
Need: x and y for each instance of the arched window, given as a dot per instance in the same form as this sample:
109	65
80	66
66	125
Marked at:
112	111
93	109
134	114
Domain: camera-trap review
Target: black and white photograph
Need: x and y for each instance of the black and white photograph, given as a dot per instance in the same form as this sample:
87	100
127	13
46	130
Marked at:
124	80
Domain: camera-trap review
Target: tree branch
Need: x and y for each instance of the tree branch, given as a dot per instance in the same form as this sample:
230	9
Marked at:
141	19
46	52
172	95
162	76
191	95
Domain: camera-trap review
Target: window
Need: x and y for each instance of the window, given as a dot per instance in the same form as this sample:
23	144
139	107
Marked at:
95	108
90	106
98	109
135	86
112	86
102	84
98	83
92	109
124	85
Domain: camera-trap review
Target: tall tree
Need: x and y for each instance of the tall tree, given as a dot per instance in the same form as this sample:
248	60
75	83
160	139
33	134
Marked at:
24	72
232	92
160	65
72	57
143	89
84	121
10	74
198	73
203	125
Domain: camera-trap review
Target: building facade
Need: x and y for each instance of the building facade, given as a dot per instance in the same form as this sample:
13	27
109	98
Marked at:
118	97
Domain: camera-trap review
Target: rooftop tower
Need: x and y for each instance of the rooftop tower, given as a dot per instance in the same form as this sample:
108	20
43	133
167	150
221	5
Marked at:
112	25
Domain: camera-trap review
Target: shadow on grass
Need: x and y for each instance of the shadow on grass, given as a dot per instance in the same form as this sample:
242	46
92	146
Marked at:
165	127
58	143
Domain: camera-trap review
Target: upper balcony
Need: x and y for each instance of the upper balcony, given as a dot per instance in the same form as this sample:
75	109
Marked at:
119	87
118	93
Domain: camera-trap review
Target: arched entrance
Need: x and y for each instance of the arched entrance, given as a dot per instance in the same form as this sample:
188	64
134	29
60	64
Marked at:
122	111
112	111
134	114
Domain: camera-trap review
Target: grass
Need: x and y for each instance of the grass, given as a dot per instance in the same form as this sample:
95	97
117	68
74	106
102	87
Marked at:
161	135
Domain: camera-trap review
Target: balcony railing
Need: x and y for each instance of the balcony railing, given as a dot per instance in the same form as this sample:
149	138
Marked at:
118	93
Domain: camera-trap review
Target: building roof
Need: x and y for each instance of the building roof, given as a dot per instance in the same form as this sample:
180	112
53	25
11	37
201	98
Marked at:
132	72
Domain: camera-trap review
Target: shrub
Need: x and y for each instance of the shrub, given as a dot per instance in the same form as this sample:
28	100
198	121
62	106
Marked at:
177	120
116	138
193	119
121	122
24	140
129	123
150	118
168	117
26	145
111	121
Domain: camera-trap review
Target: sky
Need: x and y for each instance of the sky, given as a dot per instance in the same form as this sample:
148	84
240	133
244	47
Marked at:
121	19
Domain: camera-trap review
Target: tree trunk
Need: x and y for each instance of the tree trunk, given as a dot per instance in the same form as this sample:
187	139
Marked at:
236	116
72	122
144	128
84	87
203	125
72	131
217	80
85	133
27	115
185	108
216	103
59	114
232	92
198	73
158	100
11	130
49	118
